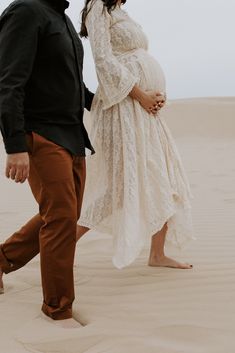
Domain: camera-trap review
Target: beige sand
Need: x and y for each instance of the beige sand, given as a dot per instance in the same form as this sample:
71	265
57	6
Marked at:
142	309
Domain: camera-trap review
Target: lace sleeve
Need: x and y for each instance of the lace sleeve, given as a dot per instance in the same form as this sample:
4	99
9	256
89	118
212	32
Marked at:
115	80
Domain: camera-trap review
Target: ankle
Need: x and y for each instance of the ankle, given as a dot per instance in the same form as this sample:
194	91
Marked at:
157	256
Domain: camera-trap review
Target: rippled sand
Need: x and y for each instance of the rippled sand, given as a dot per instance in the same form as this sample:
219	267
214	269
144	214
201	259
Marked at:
142	309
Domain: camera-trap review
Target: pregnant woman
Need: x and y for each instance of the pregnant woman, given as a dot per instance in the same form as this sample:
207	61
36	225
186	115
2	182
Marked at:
136	187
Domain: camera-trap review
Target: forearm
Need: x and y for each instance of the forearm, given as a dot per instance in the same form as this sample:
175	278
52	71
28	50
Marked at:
137	93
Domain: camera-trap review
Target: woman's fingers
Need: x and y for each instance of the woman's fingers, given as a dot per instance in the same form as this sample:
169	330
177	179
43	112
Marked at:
153	110
152	101
161	99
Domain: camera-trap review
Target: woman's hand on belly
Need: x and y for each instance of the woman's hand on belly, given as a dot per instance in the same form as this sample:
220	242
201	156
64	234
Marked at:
161	97
151	101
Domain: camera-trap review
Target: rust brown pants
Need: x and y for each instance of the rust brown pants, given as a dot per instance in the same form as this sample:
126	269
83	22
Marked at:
57	182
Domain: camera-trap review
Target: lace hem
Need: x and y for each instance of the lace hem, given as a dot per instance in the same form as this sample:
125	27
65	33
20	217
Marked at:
179	232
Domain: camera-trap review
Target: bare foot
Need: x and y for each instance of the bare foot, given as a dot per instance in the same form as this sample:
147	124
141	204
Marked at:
1	282
67	323
168	262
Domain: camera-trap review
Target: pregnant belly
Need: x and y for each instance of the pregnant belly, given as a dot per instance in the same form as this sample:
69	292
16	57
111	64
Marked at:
147	69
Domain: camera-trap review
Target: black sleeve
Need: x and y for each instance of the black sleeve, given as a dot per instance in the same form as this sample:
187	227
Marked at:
88	98
18	45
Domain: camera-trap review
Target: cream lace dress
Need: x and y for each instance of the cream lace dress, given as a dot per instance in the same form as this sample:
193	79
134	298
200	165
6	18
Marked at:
135	181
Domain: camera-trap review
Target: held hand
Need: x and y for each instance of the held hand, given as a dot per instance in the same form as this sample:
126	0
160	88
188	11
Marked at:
161	99
17	167
153	101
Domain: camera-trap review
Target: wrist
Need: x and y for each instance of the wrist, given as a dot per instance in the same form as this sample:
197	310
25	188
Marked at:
137	94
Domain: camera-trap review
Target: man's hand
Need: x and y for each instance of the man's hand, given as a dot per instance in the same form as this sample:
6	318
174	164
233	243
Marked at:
17	167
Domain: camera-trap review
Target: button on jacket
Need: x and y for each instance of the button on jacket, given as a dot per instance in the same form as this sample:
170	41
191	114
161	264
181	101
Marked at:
41	83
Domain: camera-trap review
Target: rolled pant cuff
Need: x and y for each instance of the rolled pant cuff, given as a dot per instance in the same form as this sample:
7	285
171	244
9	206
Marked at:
5	265
56	314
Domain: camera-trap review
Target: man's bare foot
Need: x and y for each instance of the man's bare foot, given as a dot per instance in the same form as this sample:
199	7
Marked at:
168	262
1	282
67	323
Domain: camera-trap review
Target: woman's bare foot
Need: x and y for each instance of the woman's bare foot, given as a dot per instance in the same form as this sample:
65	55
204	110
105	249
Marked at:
165	261
1	282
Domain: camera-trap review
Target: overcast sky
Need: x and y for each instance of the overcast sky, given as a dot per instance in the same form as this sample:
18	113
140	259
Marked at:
192	39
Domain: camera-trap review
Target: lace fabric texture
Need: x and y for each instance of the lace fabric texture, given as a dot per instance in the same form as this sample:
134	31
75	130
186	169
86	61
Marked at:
135	181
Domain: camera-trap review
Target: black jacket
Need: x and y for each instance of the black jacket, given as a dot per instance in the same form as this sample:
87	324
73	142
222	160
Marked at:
41	83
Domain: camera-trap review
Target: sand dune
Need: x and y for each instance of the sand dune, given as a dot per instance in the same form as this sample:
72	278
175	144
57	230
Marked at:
141	309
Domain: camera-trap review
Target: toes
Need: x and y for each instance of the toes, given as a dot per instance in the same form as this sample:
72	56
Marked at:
183	266
187	266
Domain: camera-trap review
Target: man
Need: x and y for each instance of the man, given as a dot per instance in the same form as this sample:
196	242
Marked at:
42	99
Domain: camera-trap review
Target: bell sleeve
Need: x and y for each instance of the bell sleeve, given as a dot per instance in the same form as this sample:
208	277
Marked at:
115	80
